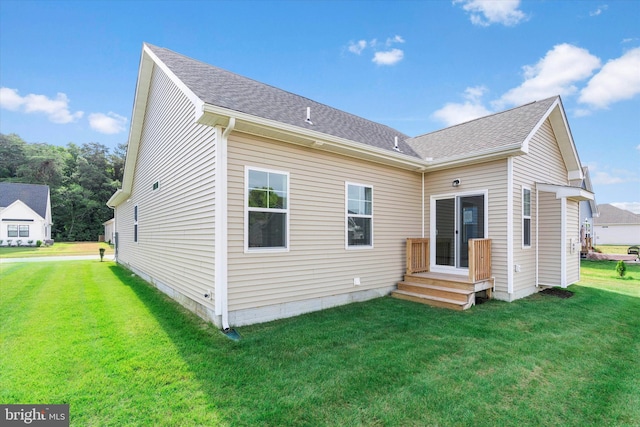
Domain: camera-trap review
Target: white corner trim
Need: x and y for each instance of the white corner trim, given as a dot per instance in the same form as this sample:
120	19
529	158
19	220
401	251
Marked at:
510	225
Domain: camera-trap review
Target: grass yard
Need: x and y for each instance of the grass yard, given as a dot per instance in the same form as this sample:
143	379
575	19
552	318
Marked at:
120	353
57	249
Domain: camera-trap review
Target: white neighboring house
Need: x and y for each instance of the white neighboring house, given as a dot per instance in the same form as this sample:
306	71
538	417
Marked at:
110	231
25	214
615	226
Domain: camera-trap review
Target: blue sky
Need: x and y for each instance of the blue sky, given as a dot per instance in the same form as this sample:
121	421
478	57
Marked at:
68	69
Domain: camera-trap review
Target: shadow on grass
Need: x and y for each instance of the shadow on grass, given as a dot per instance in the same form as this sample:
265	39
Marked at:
392	362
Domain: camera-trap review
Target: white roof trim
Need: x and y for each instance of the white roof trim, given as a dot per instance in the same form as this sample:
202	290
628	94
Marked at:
566	192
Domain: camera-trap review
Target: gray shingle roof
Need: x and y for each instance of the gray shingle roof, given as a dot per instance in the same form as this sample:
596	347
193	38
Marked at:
33	195
486	133
225	89
609	214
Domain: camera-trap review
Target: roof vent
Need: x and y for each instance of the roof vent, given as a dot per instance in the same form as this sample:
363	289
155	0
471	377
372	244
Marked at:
395	145
308	119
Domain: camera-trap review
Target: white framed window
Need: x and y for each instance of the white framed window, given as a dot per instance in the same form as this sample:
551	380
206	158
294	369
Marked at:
266	210
12	231
358	216
135	223
526	217
23	231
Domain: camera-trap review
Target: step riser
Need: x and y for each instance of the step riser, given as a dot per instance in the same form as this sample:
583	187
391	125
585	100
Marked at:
426	301
477	287
433	292
439	282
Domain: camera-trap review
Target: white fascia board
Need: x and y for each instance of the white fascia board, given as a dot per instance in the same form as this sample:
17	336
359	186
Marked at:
478	157
315	139
118	197
195	100
564	192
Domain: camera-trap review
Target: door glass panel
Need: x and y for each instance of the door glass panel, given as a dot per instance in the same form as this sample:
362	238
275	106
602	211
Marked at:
471	225
445	232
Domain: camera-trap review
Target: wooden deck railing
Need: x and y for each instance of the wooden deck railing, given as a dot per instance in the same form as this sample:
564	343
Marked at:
479	259
417	255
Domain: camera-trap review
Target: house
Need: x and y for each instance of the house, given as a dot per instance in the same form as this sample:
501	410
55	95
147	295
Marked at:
615	226
588	211
25	214
109	230
247	203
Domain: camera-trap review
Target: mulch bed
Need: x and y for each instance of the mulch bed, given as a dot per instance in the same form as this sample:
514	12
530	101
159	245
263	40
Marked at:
557	292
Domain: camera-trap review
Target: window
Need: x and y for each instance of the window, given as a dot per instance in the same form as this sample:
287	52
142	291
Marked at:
359	216
135	223
23	230
267	209
12	231
526	217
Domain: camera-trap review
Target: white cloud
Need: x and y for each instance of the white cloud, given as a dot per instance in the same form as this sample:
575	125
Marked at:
630	206
390	57
454	113
380	57
487	12
618	80
396	39
57	110
109	123
605	178
599	10
555	74
357	47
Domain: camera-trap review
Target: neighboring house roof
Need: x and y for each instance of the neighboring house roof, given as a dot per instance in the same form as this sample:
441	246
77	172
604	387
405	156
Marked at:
33	195
610	215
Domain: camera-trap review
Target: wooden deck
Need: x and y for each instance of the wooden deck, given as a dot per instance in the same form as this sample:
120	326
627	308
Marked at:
457	292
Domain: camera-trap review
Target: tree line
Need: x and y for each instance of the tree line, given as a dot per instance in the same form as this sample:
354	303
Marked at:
80	178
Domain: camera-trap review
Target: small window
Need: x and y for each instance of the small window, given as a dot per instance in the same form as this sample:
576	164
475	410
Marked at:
135	223
359	216
156	185
526	217
12	231
23	231
267	209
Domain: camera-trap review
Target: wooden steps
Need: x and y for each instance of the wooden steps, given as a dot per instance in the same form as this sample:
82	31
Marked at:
441	290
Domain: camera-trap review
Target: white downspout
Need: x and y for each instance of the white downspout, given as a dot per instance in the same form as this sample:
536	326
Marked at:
221	257
423	205
537	238
510	226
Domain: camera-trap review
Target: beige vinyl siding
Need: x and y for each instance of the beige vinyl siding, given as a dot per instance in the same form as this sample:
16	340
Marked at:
489	176
550	237
176	228
317	263
573	241
543	164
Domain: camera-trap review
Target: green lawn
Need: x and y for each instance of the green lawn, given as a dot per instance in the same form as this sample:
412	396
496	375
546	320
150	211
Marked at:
57	249
120	353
